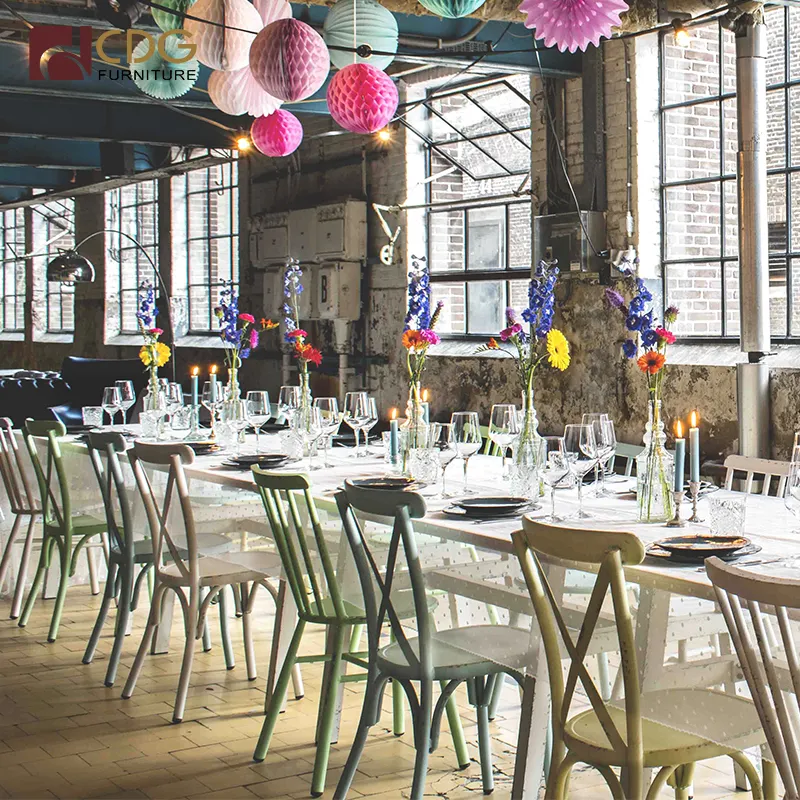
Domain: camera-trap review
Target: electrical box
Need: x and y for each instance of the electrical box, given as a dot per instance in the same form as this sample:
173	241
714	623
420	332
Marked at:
338	290
562	237
273	294
302	234
269	239
342	231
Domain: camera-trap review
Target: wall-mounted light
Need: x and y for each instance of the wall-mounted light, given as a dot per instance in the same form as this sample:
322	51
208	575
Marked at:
681	33
384	135
244	143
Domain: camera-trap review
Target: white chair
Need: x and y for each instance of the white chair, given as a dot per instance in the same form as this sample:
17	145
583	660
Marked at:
765	467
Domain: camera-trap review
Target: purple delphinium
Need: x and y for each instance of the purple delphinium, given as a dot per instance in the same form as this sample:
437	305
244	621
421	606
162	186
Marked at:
629	348
418	316
541	299
292	289
147	312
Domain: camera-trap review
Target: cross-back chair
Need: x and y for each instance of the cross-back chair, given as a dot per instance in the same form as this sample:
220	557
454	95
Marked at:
767	468
181	567
624	733
64	532
450	657
629	452
753	605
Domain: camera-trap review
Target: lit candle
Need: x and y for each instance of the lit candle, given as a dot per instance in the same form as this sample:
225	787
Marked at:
426	406
394	436
694	448
680	455
195	379
213	393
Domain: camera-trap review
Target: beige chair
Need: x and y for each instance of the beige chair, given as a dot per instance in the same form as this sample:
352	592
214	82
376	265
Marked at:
195	579
772	669
624	733
765	467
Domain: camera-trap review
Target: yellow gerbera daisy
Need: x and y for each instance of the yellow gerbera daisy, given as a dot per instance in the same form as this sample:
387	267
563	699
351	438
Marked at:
157	354
557	349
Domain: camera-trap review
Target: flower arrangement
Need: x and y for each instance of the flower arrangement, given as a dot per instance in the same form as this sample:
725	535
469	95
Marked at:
294	335
418	332
153	353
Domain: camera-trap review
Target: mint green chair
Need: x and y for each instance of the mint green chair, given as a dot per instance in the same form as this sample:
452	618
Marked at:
65	533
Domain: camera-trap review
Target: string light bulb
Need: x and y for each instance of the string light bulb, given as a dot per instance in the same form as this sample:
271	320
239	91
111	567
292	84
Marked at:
681	33
243	143
384	135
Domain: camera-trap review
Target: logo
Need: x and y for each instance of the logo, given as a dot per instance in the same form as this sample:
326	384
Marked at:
50	59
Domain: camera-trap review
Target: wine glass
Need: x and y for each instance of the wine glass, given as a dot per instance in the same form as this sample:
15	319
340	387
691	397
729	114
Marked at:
288	401
127	397
371	421
605	447
440	439
504	428
308	424
554	467
258	413
174	397
581	449
356	413
465	433
211	400
234	413
111	402
329	412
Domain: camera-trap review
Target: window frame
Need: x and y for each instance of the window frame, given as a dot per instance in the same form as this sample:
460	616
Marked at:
14	265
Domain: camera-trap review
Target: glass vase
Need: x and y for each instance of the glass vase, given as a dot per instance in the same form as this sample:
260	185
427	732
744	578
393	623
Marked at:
415	426
525	479
153	399
306	401
232	389
655	471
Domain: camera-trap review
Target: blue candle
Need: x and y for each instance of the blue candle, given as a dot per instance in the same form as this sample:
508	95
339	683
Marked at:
694	449
195	379
213	392
426	406
394	437
680	456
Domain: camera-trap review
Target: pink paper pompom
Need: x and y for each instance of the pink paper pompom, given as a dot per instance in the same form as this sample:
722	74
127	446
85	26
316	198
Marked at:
238	93
362	99
218	47
289	60
278	134
271	10
572	24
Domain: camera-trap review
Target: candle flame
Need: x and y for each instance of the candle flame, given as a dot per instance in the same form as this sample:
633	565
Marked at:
393	413
425	395
693	419
213	369
195	371
678	429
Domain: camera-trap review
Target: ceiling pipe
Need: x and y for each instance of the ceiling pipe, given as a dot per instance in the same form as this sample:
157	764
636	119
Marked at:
431	43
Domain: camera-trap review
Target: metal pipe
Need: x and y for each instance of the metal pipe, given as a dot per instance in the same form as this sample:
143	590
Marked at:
751	102
432	43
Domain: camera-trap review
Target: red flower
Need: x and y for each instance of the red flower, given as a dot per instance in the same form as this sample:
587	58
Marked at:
668	337
297	333
247	318
652	361
268	324
155	331
305	352
493	344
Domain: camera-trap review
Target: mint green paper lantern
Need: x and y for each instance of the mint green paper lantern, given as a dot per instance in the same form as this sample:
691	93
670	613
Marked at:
364	22
167	21
452	9
160	78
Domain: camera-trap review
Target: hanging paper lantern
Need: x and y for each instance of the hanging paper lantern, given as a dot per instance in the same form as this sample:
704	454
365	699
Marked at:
363	22
278	134
572	24
223	48
237	93
289	60
272	10
362	99
160	78
452	9
167	21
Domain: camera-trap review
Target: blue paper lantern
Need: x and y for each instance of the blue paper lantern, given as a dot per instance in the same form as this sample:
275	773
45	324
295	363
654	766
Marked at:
452	9
159	77
167	21
364	22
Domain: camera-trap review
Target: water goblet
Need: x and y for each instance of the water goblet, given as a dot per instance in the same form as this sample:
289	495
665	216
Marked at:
791	495
504	428
606	445
554	468
369	423
355	414
465	433
234	414
210	399
331	420
288	401
127	397
581	449
92	416
440	439
258	413
308	424
111	402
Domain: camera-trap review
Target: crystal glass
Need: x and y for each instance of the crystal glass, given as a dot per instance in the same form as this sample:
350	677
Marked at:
288	401
151	424
291	444
371	421
726	513
181	421
440	439
504	427
127	397
308	426
581	449
423	464
174	394
356	413
554	467
111	402
92	416
465	433
234	414
605	446
331	420
258	413
791	495
205	401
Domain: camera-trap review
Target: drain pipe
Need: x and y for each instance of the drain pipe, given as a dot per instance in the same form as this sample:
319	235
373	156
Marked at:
751	100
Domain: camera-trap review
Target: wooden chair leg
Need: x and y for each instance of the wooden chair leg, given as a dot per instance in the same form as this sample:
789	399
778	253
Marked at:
457	733
245	595
681	781
191	623
65	552
422	737
22	571
224	628
94	584
769	780
483	692
124	614
147	637
12	538
752	774
48	542
659	782
102	613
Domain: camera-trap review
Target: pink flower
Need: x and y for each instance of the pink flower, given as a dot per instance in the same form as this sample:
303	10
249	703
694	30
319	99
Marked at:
155	331
429	336
508	333
253	338
297	333
666	336
247	318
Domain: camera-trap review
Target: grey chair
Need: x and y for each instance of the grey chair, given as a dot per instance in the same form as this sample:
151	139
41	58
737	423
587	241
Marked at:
454	656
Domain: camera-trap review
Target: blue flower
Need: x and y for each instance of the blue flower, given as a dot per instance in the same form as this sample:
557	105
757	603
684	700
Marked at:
629	348
637	305
147	312
541	299
418	314
649	338
633	322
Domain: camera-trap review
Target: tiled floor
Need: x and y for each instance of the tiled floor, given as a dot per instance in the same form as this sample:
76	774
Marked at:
64	734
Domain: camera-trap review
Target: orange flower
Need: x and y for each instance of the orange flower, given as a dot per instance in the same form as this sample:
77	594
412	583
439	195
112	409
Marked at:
413	340
268	324
652	362
493	344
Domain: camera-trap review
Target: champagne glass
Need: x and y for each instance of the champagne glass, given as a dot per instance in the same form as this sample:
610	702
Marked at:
465	433
605	448
581	449
554	467
127	397
258	413
111	402
504	428
288	401
372	419
329	412
440	439
356	413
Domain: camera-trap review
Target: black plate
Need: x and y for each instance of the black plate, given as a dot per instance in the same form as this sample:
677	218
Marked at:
491	506
259	458
457	512
274	464
654	551
384	483
73	429
700	546
203	448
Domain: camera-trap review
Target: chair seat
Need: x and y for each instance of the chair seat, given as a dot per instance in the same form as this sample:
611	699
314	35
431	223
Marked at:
461	653
208	544
82	525
402	600
223	569
734	720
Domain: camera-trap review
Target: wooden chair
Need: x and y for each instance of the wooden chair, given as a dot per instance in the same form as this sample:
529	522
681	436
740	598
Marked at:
61	527
452	657
180	566
489	448
23	503
619	734
629	452
772	670
767	468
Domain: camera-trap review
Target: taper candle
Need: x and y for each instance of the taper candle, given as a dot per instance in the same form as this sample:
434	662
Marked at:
680	456
694	448
195	379
213	393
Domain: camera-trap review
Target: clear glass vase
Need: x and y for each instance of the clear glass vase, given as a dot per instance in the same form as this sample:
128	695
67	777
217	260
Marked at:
306	400
414	427
655	471
153	398
525	479
232	388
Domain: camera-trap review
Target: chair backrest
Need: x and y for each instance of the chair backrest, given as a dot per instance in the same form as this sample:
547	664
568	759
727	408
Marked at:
15	479
490	448
610	551
750	604
51	476
170	458
402	555
111	478
765	467
629	452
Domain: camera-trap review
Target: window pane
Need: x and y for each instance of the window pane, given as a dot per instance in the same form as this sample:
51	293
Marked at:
697	290
795	321
486	234
794	43
446	241
776	129
693	221
486	306
794	120
13	270
692	142
692	72
730	191
774	19
518	294
730	136
777	296
453	318
732	316
519	216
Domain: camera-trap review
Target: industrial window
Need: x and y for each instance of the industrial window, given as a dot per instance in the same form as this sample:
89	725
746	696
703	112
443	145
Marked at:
205	225
698	178
12	309
131	210
478	142
53	226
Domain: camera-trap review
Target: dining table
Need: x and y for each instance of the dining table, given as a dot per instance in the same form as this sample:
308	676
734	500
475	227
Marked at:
471	567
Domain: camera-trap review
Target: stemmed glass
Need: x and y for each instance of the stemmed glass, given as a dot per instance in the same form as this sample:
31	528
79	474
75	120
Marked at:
288	401
372	419
356	414
465	433
581	449
554	467
111	402
791	495
234	413
329	412
440	439
258	413
127	397
606	444
308	423
211	404
504	428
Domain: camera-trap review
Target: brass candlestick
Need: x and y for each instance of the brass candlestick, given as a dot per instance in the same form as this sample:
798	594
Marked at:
694	491
676	521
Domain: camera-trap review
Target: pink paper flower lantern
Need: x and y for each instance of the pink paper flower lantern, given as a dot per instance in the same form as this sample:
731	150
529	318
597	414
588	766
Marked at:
289	60
362	99
237	93
217	47
572	24
278	134
272	10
